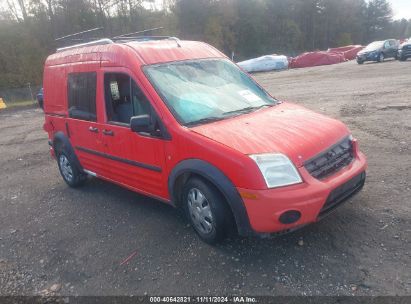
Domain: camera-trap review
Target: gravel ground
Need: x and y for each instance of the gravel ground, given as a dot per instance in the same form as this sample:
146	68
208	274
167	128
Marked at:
57	240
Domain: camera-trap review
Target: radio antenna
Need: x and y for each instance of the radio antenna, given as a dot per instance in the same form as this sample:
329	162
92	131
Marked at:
79	33
139	32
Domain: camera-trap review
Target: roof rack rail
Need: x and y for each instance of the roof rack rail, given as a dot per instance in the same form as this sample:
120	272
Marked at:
176	40
91	43
146	38
140	38
77	38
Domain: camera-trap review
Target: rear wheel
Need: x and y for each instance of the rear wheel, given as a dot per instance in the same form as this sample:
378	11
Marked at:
207	211
402	58
360	61
70	173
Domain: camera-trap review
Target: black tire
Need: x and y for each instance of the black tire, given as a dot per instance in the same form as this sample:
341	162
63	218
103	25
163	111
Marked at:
73	176
360	61
402	58
381	57
221	220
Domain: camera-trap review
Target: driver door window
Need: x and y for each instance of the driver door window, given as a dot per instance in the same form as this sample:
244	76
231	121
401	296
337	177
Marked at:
124	99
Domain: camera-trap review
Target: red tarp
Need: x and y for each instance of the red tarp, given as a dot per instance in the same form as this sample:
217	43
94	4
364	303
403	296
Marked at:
349	51
311	59
332	56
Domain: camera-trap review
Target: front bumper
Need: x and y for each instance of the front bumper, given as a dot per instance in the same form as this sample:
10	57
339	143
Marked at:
314	198
368	57
404	52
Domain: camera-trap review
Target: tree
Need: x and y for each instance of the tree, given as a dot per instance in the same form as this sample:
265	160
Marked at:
379	17
249	28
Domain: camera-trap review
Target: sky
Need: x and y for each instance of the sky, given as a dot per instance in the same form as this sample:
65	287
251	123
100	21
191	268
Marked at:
401	9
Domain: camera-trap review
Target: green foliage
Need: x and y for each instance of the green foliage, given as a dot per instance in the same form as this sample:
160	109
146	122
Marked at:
248	28
379	17
344	39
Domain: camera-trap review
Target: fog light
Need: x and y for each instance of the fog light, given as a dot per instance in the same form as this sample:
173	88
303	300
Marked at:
290	217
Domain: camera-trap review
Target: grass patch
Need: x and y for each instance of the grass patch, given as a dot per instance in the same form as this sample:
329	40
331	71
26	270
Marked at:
20	103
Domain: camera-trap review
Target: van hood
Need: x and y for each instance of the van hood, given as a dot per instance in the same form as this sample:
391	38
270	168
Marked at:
285	128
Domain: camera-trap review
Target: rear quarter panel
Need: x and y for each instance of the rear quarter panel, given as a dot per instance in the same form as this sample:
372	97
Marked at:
55	90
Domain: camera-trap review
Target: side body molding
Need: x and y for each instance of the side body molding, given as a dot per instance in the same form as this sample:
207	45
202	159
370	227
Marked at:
221	182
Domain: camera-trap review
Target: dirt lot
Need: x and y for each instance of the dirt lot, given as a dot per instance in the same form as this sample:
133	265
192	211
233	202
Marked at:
51	234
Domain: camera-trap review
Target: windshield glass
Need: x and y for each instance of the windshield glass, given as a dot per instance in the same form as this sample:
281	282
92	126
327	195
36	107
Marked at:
206	90
375	45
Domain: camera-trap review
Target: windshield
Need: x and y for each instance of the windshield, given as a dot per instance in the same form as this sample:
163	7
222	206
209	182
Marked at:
206	90
375	45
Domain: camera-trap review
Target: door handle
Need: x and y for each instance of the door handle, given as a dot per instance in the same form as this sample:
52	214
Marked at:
93	129
108	132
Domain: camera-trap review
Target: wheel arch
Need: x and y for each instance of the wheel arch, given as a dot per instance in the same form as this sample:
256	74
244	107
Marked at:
197	167
62	143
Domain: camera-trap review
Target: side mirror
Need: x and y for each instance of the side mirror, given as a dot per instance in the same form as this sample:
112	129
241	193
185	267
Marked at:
140	124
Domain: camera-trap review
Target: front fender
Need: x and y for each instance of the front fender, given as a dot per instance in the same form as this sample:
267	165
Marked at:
221	182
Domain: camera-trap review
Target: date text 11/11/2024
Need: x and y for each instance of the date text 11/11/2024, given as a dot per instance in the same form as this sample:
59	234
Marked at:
203	299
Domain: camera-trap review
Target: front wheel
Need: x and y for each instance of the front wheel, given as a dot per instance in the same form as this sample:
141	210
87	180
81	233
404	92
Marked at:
70	173
360	61
207	211
381	58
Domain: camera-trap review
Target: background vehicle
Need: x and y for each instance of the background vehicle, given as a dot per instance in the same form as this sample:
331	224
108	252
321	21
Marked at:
404	51
378	51
40	98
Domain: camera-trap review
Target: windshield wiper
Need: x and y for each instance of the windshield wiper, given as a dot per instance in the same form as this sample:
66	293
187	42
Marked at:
226	115
246	110
203	121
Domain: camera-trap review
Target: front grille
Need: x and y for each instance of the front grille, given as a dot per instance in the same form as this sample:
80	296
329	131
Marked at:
331	160
342	193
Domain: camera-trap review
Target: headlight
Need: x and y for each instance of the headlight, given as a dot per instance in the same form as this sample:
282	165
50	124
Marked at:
277	170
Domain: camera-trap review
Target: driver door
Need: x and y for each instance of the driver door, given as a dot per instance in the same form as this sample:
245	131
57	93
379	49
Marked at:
135	160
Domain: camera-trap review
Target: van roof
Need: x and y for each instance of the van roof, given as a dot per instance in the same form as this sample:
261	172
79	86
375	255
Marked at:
135	52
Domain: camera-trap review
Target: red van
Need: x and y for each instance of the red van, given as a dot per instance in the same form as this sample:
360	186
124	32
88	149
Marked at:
178	121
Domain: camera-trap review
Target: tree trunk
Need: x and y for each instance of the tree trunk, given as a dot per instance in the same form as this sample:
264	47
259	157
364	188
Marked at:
23	9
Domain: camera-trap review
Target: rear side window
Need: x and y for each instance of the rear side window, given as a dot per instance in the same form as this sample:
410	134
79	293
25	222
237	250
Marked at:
82	96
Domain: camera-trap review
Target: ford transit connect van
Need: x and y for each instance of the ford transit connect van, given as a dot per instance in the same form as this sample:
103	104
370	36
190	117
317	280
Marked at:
178	121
